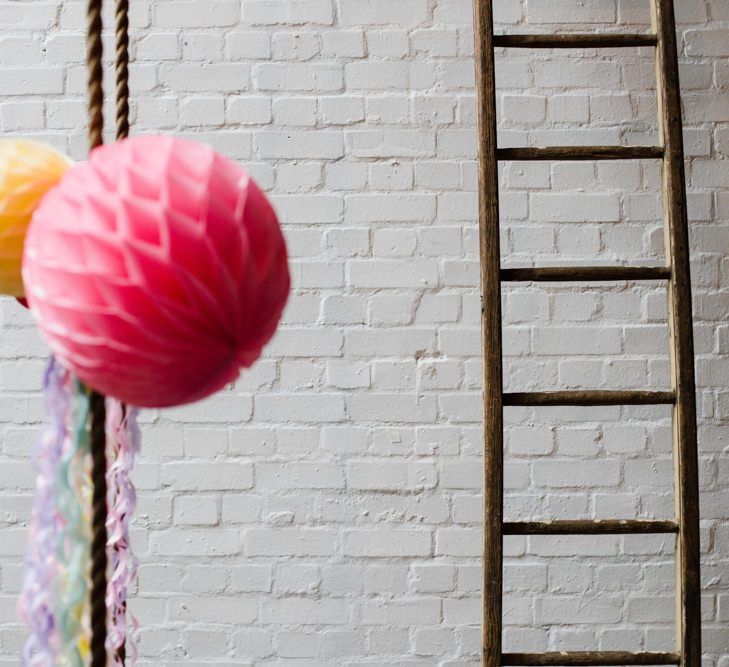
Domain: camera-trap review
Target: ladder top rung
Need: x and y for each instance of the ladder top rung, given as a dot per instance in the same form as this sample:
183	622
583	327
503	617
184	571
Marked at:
585	273
588	658
589	397
590	527
567	41
581	153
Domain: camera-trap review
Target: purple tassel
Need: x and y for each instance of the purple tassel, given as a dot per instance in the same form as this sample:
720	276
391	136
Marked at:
35	604
125	438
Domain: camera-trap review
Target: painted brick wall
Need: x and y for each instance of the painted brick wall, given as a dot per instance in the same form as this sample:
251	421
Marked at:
326	510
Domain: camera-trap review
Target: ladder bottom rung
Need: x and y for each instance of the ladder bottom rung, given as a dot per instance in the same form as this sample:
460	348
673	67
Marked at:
590	397
581	153
590	527
585	273
586	658
575	40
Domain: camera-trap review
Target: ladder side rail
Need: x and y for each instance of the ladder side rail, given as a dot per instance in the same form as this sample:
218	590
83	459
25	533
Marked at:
688	599
490	255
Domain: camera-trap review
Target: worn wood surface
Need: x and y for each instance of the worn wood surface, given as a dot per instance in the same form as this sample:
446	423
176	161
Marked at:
585	273
590	527
576	41
587	658
589	397
573	153
682	346
488	177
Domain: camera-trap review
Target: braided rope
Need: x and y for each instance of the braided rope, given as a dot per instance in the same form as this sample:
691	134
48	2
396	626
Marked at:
122	69
98	531
122	125
95	52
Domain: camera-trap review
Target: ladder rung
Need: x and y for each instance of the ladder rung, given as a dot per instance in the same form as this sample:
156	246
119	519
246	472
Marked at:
581	153
567	41
587	273
590	397
590	527
588	658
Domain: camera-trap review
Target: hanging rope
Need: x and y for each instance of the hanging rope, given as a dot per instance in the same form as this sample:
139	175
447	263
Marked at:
122	69
95	52
122	132
98	531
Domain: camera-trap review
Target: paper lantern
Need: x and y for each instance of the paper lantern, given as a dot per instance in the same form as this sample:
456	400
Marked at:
156	271
28	169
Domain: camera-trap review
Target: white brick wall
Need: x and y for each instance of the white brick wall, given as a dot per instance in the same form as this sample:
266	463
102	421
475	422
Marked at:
326	511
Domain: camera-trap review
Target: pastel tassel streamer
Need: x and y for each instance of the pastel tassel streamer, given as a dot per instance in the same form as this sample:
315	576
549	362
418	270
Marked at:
125	437
73	500
35	604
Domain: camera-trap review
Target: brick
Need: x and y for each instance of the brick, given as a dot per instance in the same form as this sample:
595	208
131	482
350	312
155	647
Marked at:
570	11
303	611
378	12
288	12
396	408
196	14
289	542
322	144
564	340
205	48
210	77
400	208
575	207
306	408
301	77
707	42
392	274
387	543
196	510
281	476
213	542
213	609
31	81
400	613
584	610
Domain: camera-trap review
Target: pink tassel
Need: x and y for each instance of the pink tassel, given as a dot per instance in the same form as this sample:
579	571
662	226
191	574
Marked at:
124	438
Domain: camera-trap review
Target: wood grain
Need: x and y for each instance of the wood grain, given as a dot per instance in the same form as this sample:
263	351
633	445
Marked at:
589	397
488	177
688	577
590	527
587	658
575	41
585	273
578	153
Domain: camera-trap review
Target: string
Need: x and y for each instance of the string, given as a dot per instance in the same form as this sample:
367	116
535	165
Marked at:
99	560
95	51
126	432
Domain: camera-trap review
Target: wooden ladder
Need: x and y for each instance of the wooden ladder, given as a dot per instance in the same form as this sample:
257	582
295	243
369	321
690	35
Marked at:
682	395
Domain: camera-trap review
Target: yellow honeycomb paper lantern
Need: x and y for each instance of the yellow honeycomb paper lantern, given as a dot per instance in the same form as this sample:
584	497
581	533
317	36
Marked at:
28	170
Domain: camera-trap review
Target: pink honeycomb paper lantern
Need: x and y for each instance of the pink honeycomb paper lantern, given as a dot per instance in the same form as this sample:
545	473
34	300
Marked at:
156	271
